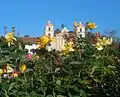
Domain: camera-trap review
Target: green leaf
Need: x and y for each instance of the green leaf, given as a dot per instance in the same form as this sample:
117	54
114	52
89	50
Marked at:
94	68
58	82
11	86
96	80
75	62
49	96
5	86
110	66
83	81
82	93
60	96
89	87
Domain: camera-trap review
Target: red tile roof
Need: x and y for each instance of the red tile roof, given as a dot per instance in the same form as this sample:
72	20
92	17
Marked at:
29	39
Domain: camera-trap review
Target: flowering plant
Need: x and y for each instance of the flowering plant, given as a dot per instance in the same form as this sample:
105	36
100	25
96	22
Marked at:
87	67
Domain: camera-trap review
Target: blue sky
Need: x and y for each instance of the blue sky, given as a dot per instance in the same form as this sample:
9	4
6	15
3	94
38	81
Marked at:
30	16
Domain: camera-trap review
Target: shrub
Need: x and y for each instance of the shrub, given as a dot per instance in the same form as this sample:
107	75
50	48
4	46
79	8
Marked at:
90	69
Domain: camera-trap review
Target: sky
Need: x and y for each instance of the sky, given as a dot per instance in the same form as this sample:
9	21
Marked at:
30	16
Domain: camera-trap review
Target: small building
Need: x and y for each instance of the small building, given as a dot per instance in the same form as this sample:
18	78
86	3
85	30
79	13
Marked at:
30	43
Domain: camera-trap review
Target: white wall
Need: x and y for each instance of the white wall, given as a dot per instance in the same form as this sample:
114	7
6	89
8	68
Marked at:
29	47
58	44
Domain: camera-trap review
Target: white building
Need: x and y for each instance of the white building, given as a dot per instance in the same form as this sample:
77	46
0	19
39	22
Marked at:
49	29
60	37
59	42
79	29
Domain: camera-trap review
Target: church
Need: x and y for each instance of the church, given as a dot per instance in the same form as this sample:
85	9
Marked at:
60	35
63	35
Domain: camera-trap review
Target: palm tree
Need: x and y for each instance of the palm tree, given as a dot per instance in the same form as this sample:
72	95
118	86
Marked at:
57	31
62	26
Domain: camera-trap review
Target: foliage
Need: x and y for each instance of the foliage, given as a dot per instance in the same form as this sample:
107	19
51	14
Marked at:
82	72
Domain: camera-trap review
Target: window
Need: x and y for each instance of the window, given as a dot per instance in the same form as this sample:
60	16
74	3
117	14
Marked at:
49	29
80	29
49	34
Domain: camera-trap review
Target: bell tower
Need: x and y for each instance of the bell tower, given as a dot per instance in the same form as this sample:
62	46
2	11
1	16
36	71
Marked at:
49	29
79	29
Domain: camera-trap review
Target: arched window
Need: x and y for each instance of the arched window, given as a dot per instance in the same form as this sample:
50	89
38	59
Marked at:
80	29
49	29
49	34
